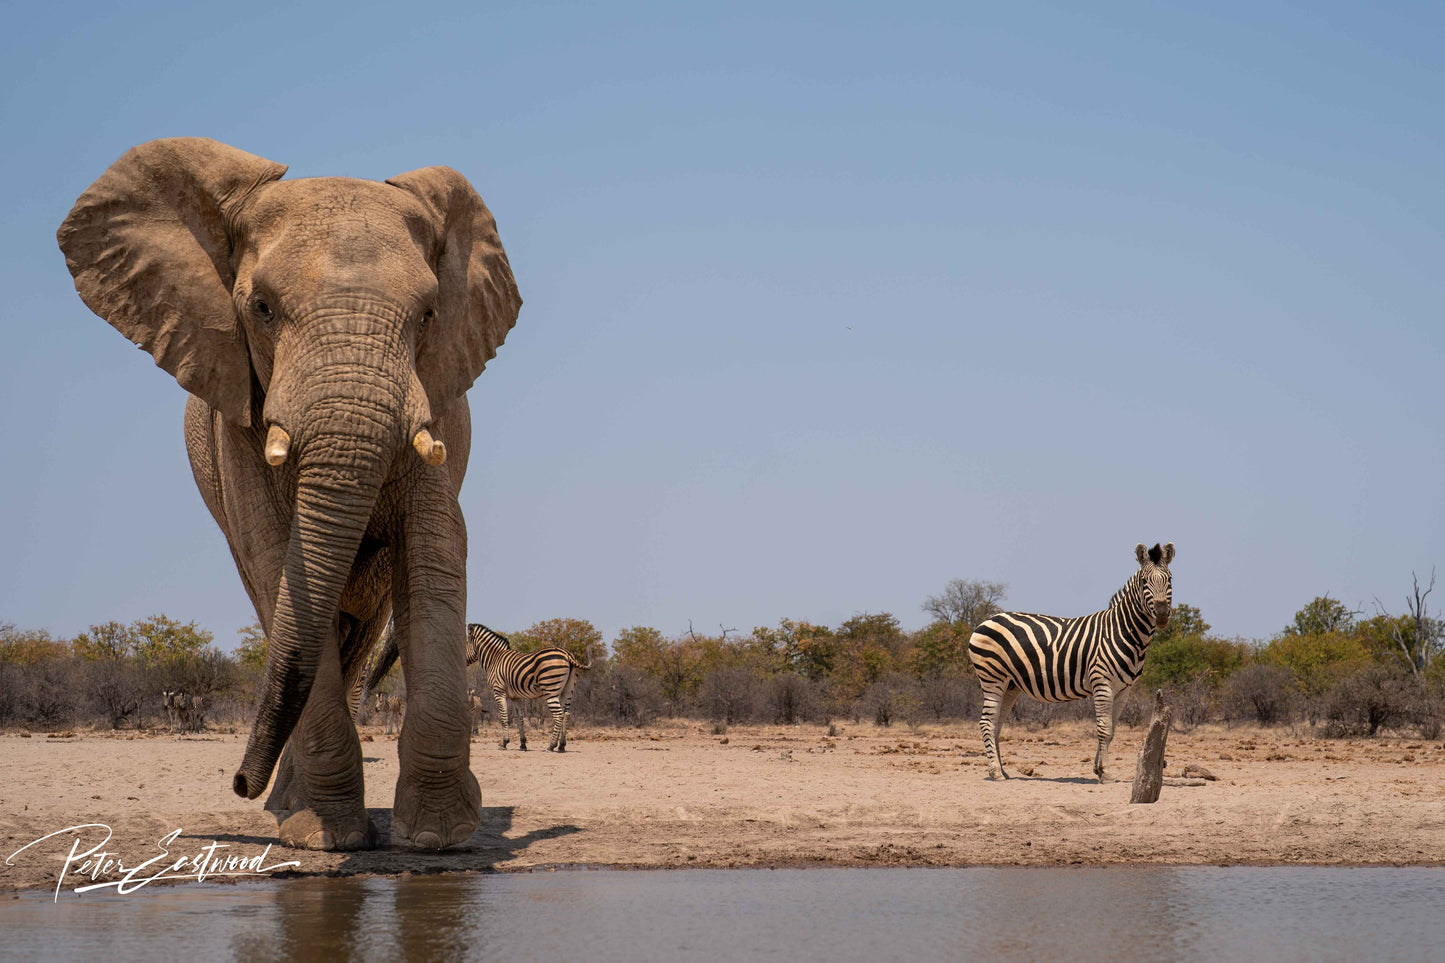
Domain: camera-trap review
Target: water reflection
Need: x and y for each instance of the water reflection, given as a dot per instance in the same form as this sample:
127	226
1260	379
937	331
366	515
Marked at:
1149	912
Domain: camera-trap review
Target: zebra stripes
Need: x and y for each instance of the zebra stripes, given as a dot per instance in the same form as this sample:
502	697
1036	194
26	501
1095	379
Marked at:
1060	660
185	711
547	674
391	709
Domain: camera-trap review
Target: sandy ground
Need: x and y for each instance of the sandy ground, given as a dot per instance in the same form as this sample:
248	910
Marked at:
679	796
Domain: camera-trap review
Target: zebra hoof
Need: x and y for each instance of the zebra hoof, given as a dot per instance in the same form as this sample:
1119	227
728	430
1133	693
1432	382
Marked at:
997	775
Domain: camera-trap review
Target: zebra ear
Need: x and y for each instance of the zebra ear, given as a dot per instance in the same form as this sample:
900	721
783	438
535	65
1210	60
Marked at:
1168	552
1141	553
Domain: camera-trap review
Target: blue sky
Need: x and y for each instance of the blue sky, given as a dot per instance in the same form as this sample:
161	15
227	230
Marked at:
825	304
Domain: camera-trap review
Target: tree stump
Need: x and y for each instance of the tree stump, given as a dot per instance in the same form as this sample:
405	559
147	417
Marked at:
1149	774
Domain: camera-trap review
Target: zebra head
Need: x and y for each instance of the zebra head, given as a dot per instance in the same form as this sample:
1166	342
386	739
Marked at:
480	637
1156	585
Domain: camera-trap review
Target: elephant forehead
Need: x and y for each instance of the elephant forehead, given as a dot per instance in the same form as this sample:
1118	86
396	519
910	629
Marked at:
356	211
319	226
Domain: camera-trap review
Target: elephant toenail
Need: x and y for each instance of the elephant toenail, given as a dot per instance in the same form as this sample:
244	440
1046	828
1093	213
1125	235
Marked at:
428	840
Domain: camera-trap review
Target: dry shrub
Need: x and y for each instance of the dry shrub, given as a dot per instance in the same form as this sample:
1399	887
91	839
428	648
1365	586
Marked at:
617	696
730	694
948	696
1376	697
792	698
1262	693
1193	702
895	696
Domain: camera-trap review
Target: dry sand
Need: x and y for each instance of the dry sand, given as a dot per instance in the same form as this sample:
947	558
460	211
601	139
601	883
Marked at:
678	796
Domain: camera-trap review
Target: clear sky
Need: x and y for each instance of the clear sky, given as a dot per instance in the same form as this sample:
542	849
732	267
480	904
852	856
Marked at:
826	304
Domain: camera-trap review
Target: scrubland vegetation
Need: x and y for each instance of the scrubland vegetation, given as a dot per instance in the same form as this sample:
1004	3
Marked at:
1332	668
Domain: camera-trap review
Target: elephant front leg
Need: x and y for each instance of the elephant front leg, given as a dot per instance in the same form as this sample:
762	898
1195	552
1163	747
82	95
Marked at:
438	802
318	796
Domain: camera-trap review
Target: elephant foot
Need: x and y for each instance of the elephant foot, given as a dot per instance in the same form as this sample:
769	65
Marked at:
308	829
447	816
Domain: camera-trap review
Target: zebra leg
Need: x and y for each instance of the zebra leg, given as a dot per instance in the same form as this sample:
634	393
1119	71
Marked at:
521	729
566	712
558	742
506	719
1104	716
996	705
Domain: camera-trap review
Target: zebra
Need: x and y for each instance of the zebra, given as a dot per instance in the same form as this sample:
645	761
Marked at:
193	712
184	712
548	673
390	708
173	708
476	708
1060	660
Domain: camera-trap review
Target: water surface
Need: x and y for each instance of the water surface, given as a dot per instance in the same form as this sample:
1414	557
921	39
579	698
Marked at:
1234	913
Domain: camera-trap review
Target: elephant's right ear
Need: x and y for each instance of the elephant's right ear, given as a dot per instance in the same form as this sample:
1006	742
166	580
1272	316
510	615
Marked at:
149	247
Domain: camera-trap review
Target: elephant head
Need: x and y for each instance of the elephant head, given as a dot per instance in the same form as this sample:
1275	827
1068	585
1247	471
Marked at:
334	316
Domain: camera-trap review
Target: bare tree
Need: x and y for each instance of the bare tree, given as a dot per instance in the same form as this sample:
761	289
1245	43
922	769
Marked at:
966	601
1421	637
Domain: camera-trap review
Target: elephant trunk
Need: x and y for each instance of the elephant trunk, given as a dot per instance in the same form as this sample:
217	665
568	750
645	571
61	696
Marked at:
340	470
333	509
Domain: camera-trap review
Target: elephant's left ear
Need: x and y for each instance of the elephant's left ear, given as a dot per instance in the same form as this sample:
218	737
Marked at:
478	300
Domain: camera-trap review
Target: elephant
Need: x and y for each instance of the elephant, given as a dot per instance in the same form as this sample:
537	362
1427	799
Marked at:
327	330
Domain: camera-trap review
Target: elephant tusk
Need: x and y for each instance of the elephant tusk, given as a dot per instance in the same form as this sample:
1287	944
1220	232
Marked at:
431	451
278	446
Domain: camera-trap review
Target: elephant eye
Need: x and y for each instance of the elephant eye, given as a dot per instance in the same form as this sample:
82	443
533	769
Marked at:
427	318
262	309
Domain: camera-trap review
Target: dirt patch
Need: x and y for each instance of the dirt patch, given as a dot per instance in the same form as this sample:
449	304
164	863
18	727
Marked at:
775	796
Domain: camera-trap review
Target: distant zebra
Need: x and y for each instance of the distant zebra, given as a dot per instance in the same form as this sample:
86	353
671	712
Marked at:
1060	660
390	708
173	708
184	712
476	708
548	674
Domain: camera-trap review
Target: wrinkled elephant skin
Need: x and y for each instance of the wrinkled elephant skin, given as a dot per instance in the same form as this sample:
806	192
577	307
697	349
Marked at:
327	330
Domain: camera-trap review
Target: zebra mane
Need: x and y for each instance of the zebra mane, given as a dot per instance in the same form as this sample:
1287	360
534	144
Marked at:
483	634
1130	591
